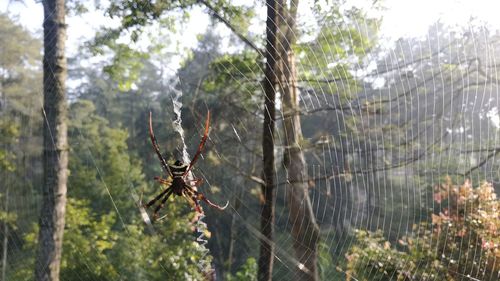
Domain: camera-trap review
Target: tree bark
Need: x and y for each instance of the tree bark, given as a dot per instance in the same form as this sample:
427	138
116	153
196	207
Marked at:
55	146
5	237
305	231
266	258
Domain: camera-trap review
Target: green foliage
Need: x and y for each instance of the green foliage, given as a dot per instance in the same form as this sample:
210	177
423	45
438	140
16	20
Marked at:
231	74
153	257
462	239
247	272
233	67
20	80
9	133
8	218
126	66
20	77
325	261
340	45
136	17
93	249
100	162
87	239
137	14
373	259
16	54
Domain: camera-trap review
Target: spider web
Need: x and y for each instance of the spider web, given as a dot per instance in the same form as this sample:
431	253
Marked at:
419	108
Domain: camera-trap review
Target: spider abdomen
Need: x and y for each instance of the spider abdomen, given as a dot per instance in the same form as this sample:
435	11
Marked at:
178	168
178	185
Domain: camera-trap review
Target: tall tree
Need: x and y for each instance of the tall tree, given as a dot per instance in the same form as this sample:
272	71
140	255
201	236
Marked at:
305	231
55	143
267	212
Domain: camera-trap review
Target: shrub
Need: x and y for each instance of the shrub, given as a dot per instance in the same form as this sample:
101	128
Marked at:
462	241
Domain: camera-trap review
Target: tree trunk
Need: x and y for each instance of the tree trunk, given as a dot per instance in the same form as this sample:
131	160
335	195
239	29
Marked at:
232	239
305	231
5	236
266	258
55	147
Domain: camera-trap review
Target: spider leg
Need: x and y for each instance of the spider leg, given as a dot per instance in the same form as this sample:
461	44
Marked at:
151	203
192	193
189	195
155	145
158	208
201	196
200	147
163	181
195	182
198	207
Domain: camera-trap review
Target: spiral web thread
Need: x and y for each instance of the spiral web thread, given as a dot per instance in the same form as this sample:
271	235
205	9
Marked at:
200	226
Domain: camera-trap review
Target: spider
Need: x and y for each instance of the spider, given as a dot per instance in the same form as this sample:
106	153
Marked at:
177	181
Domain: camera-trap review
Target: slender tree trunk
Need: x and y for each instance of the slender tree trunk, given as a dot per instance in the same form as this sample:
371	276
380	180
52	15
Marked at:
305	231
55	146
5	237
231	243
266	258
233	237
6	209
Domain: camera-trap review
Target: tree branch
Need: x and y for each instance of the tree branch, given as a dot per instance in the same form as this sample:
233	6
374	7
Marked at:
243	38
491	155
242	173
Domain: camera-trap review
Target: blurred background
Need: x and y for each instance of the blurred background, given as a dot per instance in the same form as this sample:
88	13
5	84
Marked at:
386	138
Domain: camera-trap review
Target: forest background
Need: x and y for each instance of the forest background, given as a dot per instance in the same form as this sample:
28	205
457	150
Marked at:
398	143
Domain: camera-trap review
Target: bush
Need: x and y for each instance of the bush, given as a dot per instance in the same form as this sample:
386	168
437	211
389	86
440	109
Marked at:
461	241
